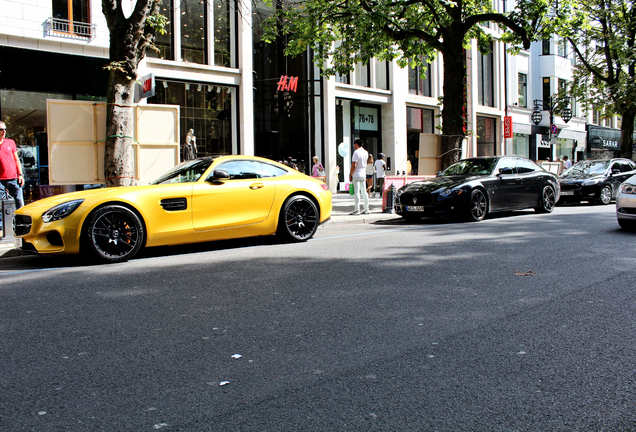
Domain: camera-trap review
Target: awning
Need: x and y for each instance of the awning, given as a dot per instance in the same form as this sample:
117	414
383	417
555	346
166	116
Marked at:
573	134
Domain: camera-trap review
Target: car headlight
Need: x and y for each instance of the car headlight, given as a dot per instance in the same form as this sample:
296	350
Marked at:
627	188
60	211
448	192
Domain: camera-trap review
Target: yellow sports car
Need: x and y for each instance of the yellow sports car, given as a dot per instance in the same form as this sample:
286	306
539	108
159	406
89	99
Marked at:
198	201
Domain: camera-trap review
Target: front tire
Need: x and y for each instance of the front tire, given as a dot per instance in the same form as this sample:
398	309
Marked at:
114	233
298	219
478	206
547	200
627	225
604	195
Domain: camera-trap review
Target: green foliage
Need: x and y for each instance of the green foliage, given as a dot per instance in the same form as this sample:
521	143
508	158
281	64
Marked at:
602	35
345	32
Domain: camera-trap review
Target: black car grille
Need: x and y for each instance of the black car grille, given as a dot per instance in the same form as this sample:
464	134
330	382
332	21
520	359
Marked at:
569	186
420	199
21	225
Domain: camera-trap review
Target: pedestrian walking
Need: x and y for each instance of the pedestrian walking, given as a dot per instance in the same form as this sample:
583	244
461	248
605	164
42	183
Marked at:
317	170
357	177
567	163
369	173
10	168
380	173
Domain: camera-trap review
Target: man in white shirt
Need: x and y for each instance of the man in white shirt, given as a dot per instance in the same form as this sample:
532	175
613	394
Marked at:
567	163
380	172
357	176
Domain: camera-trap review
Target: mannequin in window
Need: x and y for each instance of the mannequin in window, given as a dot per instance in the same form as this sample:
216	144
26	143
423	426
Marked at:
190	150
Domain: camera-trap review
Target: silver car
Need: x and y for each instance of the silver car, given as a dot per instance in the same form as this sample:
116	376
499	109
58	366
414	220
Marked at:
626	204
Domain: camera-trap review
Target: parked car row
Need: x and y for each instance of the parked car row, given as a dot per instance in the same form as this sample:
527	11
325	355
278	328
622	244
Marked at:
473	188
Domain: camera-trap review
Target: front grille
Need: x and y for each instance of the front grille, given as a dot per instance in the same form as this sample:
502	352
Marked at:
569	187
21	225
627	210
420	199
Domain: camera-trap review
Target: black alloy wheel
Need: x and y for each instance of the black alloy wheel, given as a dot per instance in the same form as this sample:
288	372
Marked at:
478	207
547	200
605	195
298	219
114	233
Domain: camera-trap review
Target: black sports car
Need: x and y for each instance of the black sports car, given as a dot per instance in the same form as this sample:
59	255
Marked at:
595	180
472	188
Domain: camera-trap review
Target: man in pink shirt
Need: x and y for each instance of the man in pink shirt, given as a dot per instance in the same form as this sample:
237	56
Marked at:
11	176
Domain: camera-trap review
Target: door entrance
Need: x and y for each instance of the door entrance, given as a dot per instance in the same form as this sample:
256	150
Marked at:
365	125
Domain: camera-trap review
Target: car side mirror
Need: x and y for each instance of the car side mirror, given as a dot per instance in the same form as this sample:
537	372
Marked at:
615	171
219	176
503	171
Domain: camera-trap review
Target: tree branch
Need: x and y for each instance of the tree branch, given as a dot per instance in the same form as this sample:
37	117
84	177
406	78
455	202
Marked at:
501	19
593	70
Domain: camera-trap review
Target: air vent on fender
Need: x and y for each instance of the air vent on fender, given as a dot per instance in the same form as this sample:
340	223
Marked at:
174	204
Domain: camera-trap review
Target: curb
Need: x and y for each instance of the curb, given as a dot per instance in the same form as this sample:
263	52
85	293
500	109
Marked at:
361	219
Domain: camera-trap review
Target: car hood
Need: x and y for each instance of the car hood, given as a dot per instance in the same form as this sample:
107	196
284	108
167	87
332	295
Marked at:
438	183
88	195
579	178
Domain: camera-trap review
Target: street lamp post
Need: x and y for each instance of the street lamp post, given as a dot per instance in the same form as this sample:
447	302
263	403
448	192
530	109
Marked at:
554	105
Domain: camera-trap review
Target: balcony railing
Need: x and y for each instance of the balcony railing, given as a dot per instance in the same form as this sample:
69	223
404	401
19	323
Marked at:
59	27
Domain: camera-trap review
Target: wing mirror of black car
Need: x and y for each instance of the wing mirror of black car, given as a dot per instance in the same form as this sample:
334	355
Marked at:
218	176
503	171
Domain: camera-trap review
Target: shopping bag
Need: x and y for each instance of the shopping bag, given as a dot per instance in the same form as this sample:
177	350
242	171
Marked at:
351	189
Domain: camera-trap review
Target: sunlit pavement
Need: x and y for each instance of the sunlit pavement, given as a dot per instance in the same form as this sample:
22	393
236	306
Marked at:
520	322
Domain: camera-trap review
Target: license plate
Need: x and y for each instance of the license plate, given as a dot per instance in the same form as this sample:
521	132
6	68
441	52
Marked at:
415	208
567	192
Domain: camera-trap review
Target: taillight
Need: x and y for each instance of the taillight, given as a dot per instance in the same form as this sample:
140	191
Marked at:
324	186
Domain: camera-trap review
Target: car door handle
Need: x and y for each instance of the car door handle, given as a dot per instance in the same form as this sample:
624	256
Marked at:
255	186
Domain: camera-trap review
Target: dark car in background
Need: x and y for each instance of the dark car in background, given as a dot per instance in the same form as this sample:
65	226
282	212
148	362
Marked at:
595	180
475	187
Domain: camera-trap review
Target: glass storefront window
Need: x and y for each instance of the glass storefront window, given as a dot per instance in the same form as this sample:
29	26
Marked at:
163	42
565	147
381	75
193	31
205	108
486	136
362	74
485	78
418	120
521	145
222	33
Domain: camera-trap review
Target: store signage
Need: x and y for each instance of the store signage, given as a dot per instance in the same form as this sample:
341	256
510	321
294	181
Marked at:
287	83
604	138
544	143
145	87
507	127
366	118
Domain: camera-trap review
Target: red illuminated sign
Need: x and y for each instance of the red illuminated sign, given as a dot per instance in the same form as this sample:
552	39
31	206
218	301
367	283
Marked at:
507	127
287	83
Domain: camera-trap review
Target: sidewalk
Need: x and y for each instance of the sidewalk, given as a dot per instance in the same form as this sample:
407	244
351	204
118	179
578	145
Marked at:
342	205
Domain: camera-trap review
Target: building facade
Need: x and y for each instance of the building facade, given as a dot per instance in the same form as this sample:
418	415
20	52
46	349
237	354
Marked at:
238	95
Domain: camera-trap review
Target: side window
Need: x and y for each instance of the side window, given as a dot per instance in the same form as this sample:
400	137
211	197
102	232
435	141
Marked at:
239	169
268	170
626	166
526	166
507	163
616	166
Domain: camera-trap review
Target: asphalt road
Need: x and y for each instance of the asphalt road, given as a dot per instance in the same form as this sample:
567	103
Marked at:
516	323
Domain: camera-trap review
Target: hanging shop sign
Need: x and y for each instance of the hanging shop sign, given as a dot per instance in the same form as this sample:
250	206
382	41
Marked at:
287	83
145	87
366	118
507	127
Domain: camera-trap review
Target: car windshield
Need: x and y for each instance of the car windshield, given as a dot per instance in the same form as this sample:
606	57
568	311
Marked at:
588	168
471	167
185	172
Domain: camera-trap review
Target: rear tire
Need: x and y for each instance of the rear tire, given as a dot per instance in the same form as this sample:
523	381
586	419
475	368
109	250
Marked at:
547	200
298	220
604	195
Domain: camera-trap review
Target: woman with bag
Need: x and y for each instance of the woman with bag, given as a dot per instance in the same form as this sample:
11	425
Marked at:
317	170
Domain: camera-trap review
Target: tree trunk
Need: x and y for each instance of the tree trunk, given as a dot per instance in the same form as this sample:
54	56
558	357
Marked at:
118	154
627	133
453	104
